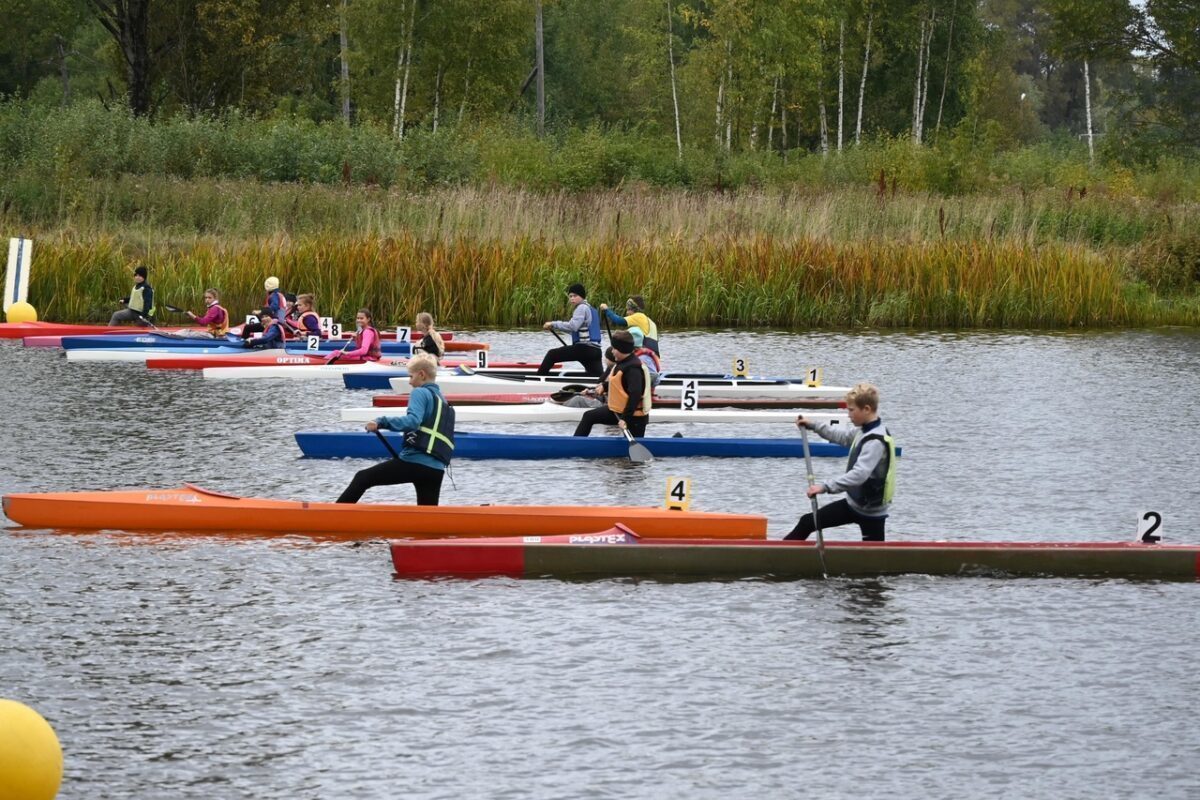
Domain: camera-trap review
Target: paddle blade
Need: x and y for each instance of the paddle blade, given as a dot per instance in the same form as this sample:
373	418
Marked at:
638	452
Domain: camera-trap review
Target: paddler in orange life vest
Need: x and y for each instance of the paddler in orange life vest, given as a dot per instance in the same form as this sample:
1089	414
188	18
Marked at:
274	335
628	392
307	321
428	430
365	346
216	318
870	476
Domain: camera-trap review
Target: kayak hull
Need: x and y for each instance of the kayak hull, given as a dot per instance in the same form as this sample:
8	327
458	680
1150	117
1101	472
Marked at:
189	509
556	412
667	388
609	554
534	398
360	444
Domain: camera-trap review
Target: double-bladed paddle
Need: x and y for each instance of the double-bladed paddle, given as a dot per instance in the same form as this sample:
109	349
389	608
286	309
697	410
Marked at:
811	480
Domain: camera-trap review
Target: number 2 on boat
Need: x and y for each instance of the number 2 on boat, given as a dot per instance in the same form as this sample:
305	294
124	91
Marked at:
689	398
312	343
679	493
1149	526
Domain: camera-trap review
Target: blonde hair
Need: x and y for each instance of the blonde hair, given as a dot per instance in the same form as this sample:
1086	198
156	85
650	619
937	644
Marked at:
425	364
863	395
305	298
426	319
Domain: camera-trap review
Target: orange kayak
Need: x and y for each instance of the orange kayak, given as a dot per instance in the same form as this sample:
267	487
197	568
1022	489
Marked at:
190	509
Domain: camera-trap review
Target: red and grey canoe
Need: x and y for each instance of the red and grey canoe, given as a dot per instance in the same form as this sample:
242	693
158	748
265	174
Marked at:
275	358
619	552
535	398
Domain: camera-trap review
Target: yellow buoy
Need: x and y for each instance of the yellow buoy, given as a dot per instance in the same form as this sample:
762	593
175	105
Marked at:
31	761
21	312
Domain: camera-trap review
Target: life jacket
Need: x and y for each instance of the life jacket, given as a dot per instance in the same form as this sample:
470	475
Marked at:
429	345
618	398
435	437
592	334
307	331
375	351
655	364
283	303
137	300
881	485
221	326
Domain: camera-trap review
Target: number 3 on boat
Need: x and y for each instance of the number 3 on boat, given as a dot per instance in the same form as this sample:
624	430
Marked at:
740	370
679	494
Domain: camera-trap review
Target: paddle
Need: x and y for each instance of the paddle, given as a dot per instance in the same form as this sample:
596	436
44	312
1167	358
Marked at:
567	392
638	452
387	444
174	309
338	354
811	480
561	340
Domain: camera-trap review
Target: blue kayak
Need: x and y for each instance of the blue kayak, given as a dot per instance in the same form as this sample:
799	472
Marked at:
382	380
360	444
170	343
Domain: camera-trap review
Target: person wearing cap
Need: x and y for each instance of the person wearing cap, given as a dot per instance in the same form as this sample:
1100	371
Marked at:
635	316
628	392
139	305
648	356
275	304
584	327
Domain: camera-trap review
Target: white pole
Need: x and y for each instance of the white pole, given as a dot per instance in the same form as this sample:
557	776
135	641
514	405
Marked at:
16	280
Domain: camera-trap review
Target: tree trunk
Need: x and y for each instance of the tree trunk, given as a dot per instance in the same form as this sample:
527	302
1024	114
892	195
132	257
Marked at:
841	77
946	75
1087	100
729	71
343	52
824	125
783	122
64	72
771	124
408	46
862	86
541	75
437	96
674	92
720	108
462	106
916	110
128	21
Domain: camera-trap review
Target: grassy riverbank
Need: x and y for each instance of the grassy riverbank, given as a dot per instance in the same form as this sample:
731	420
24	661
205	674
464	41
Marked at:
1028	238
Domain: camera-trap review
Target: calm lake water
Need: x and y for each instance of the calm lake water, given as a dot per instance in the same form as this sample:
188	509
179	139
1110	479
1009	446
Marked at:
202	667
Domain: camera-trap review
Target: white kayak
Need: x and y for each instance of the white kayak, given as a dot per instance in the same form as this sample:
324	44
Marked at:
310	372
709	387
554	412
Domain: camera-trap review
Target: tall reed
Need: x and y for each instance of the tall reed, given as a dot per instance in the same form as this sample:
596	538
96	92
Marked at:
710	281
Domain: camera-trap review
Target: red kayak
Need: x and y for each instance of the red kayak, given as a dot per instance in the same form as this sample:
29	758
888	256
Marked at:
20	330
278	358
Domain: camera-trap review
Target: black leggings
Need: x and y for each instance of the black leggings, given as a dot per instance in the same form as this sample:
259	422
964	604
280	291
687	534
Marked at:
840	513
426	480
586	354
606	416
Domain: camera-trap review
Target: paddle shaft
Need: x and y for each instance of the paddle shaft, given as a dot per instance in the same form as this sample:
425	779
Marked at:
387	444
812	480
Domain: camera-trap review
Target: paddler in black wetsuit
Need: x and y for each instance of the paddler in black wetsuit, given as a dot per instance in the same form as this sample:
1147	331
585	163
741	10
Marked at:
628	392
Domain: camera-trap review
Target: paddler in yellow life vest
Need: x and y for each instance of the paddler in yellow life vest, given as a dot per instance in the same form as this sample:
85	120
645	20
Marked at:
216	318
628	392
139	305
635	316
870	477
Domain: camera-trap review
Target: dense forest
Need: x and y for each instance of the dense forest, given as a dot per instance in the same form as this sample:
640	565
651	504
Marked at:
737	76
946	163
